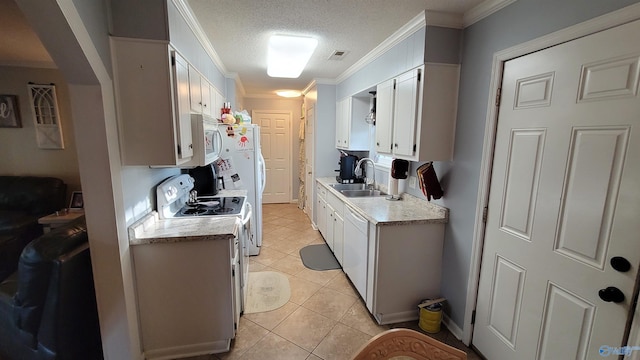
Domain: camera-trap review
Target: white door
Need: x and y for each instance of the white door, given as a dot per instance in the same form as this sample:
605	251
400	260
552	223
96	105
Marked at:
308	163
564	201
275	138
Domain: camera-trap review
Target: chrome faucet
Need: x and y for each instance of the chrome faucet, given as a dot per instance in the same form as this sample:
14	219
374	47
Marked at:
359	171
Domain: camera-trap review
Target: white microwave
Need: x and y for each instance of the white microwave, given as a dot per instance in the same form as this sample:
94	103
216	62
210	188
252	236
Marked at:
207	141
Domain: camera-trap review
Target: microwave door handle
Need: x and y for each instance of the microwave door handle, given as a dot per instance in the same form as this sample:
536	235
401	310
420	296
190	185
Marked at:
219	135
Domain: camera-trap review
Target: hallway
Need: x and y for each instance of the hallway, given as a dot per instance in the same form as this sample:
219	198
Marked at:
324	319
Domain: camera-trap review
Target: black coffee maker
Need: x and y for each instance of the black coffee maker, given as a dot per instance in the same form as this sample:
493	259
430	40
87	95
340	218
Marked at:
206	180
348	169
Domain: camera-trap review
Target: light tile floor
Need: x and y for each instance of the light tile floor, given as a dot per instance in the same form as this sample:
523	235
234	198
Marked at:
324	319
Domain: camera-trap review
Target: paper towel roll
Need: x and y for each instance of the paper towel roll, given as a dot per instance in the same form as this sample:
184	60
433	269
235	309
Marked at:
393	186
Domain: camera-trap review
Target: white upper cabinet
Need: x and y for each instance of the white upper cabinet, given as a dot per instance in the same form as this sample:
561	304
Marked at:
352	131
217	101
416	113
384	116
200	92
152	98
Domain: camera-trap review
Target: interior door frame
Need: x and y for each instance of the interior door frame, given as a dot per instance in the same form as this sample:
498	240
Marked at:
603	22
290	145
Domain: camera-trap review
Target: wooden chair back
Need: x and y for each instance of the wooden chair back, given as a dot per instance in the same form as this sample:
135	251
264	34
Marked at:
407	344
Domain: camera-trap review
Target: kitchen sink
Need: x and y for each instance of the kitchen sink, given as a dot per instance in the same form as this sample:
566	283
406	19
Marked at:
362	193
348	186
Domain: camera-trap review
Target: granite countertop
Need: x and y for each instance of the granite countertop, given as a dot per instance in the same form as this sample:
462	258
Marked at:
151	229
379	211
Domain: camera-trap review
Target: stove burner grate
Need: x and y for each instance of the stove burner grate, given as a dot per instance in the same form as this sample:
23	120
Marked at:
194	211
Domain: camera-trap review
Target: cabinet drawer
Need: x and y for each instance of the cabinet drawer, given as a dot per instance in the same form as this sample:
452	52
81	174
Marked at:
335	202
322	191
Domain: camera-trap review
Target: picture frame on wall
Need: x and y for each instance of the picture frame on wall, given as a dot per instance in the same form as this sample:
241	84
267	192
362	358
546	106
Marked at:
77	202
9	112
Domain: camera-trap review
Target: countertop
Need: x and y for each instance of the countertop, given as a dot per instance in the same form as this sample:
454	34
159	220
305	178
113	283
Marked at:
379	211
151	229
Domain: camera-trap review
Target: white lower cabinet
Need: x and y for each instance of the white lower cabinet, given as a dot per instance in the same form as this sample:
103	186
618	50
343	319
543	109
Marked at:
330	221
335	225
187	296
356	236
328	236
321	210
403	268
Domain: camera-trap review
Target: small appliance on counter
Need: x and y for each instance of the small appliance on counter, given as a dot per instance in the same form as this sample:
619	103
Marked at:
347	171
206	180
399	171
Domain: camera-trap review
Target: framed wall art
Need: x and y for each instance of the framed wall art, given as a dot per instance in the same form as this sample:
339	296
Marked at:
9	112
45	116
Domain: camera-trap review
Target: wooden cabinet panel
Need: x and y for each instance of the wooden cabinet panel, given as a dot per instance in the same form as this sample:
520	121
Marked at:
152	95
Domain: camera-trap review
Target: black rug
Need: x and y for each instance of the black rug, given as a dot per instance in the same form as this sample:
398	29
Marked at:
318	257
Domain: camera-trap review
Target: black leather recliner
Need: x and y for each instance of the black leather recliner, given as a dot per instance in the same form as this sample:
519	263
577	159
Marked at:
48	307
24	199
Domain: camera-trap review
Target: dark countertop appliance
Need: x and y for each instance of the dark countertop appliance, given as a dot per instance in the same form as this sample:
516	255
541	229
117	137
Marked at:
206	181
348	169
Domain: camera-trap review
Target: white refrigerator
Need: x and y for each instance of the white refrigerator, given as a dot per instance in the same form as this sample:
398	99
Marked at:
242	166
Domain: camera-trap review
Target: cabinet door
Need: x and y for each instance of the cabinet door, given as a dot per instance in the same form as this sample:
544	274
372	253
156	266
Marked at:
183	115
338	237
215	102
205	92
330	226
321	211
405	113
195	90
339	121
384	116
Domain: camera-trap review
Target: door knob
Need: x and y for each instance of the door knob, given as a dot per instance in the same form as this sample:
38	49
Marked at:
611	294
620	264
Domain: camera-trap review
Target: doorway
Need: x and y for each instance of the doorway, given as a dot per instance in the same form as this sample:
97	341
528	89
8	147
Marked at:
275	139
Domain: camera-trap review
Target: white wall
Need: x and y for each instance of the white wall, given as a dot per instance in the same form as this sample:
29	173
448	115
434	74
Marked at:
18	146
293	105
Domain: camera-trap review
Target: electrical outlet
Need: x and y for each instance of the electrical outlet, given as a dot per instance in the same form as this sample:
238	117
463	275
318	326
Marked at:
412	181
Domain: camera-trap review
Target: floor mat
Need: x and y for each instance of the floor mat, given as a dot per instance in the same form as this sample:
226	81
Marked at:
318	257
266	291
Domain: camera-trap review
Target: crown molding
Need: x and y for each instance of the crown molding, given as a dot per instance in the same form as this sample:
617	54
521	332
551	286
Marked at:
483	10
192	22
404	32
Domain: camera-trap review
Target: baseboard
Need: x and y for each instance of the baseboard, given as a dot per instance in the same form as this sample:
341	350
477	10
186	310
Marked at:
398	317
452	326
188	350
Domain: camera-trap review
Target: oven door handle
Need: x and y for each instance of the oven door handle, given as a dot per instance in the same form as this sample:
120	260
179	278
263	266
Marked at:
248	215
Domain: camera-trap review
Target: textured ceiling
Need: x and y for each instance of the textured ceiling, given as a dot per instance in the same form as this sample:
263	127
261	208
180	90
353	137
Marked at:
239	30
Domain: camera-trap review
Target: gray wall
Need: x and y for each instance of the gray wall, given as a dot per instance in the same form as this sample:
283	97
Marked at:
19	148
522	21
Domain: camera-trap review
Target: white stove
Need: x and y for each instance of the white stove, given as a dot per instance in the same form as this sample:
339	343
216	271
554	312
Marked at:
176	198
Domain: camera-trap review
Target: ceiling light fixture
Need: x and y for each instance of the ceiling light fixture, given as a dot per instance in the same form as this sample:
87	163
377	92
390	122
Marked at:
289	93
288	55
